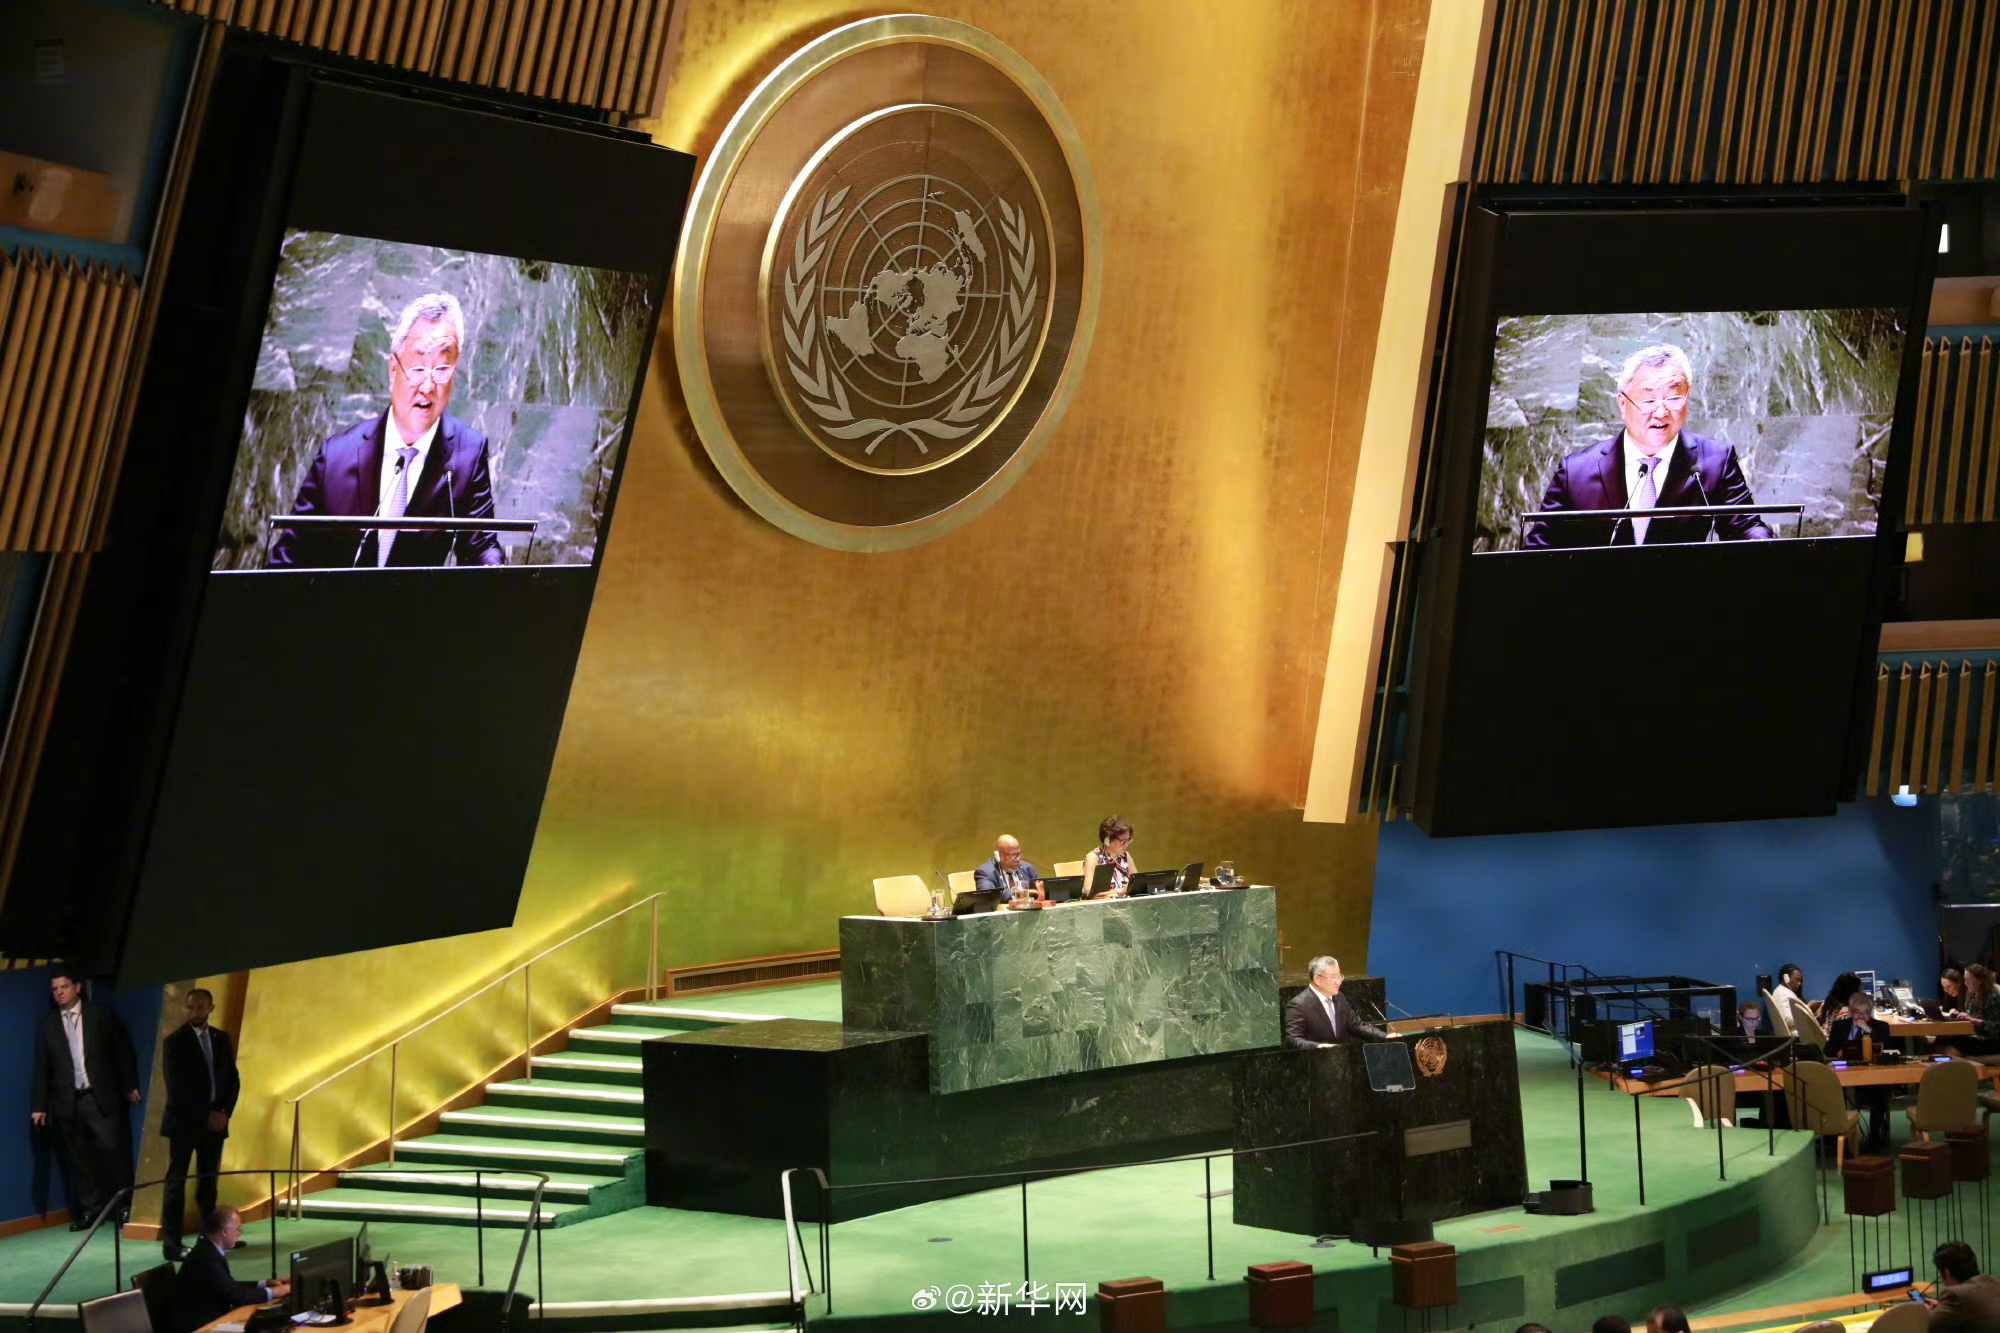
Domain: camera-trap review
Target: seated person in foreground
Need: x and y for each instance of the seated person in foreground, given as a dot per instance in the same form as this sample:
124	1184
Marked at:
1320	1015
1114	849
1968	1300
1982	1006
1844	1041
1007	871
1747	1026
204	1288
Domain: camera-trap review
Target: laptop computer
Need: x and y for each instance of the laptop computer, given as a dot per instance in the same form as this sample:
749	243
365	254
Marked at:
1100	882
1152	881
1062	888
974	901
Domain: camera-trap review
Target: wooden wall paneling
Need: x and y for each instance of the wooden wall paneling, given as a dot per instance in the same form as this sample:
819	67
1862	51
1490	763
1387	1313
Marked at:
73	395
510	16
1920	727
1920	435
483	55
1982	777
530	68
21	376
661	26
558	46
587	80
1986	425
51	361
1940	697
623	72
396	30
581	61
1821	57
1507	138
1940	436
1960	762
1646	125
1957	505
1982	137
71	530
1905	704
1579	91
1877	761
1788	124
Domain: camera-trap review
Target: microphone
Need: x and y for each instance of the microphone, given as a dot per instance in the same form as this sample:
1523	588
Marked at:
1696	465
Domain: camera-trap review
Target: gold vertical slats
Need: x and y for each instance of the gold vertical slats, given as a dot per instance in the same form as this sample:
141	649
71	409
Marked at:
1939	691
1818	67
1982	138
1942	51
1580	52
1786	124
1876	759
1954	507
1756	103
649	97
1986	424
17	368
1961	708
1882	151
1646	133
48	357
1511	79
1920	727
1905	702
1920	433
90	463
26	508
588	76
1938	443
1982	776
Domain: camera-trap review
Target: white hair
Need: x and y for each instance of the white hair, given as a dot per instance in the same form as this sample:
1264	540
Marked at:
1321	964
1646	358
435	307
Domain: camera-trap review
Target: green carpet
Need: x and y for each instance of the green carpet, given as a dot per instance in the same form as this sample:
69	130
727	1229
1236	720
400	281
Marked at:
1151	1220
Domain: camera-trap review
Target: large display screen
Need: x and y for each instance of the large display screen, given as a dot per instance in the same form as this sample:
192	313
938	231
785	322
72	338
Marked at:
401	383
1738	425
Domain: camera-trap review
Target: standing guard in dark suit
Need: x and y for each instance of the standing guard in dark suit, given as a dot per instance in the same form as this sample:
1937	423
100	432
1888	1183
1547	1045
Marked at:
205	1289
202	1086
1320	1015
85	1076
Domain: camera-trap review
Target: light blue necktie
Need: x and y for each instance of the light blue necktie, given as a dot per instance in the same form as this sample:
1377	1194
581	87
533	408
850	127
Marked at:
398	502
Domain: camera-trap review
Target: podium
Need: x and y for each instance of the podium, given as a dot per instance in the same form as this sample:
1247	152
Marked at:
1448	1146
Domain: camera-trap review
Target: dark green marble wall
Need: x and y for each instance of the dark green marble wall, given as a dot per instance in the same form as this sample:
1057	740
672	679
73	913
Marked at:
1012	996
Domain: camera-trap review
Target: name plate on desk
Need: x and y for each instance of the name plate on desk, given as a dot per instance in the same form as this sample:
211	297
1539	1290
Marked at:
1007	997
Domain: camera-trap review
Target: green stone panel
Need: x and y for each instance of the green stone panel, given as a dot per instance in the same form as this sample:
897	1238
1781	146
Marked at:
1012	996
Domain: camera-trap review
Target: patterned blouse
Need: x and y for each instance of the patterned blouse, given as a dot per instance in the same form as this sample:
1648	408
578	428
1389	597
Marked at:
1121	867
1986	1018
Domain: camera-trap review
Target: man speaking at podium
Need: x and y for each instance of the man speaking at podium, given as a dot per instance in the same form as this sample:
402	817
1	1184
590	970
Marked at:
413	461
1320	1015
1651	463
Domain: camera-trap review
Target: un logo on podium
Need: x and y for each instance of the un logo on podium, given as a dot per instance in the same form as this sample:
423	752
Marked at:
887	284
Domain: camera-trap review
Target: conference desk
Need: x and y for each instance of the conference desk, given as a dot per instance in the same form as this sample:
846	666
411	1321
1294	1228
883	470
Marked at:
1010	997
1908	1029
366	1319
1908	1074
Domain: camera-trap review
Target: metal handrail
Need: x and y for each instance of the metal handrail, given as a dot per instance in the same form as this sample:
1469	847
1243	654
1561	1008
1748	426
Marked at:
296	1172
121	1201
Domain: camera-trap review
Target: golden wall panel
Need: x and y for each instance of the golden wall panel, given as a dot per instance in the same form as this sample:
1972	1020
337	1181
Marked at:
758	726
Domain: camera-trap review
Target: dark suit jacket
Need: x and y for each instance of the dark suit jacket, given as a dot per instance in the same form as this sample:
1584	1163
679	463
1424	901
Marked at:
205	1289
1969	1307
346	479
188	1102
988	876
1594	478
1843	1040
1306	1026
108	1062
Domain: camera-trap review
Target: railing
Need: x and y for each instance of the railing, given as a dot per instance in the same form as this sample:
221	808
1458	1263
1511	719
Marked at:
824	1195
479	1019
122	1201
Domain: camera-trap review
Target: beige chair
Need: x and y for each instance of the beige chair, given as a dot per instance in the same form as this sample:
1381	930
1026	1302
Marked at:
1069	867
123	1313
1947	1098
1822	1326
963	881
901	895
1904	1317
1711	1091
1781	1022
1812	1037
1819	1105
416	1312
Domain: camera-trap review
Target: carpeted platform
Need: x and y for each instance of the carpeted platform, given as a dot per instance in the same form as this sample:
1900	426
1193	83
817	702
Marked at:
1748	1242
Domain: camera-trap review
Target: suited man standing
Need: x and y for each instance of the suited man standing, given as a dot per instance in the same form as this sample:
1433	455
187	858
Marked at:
1652	463
202	1086
415	460
1320	1015
85	1076
1007	871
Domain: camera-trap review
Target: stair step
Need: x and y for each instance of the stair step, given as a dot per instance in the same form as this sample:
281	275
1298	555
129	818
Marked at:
573	1159
528	1122
592	1067
613	1038
561	1094
383	1204
561	1189
680	1018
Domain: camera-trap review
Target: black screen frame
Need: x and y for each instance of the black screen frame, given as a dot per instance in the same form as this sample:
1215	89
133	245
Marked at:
1540	251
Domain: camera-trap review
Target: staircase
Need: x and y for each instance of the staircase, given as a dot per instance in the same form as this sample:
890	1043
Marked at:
580	1118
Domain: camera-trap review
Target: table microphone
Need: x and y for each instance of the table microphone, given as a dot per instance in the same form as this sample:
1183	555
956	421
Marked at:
1704	494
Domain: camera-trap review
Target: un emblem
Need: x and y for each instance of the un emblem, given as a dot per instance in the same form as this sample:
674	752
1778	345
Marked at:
887	286
914	290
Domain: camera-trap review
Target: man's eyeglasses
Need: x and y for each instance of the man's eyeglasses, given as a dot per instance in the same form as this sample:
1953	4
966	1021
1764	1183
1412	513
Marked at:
1651	405
439	374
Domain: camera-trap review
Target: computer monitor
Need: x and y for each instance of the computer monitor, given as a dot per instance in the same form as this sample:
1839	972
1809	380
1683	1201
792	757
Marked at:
1100	882
1191	876
1062	888
1635	1042
1152	881
974	901
315	1266
363	1253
